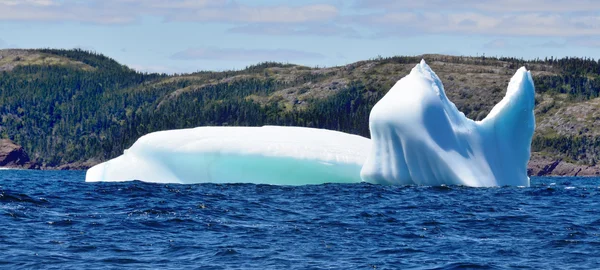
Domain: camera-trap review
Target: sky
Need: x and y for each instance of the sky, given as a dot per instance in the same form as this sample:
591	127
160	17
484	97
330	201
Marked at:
180	36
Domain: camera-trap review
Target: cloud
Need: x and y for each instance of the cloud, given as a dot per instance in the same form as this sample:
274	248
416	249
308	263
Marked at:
63	11
253	14
127	11
522	24
549	18
28	2
379	18
233	54
516	6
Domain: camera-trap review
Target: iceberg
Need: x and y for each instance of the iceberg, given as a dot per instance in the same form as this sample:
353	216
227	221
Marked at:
419	137
260	155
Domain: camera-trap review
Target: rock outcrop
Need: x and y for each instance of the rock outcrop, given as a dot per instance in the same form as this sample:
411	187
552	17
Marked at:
12	155
541	166
76	166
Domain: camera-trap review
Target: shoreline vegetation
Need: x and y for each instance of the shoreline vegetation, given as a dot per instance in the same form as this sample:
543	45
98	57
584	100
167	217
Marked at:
72	109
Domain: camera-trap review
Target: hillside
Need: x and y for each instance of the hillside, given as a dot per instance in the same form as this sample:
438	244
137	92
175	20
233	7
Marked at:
72	108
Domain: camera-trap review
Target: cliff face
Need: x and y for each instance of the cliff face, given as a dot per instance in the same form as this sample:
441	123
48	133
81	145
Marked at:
546	166
13	155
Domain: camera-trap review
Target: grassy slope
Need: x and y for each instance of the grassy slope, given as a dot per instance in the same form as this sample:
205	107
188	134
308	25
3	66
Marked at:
11	58
474	88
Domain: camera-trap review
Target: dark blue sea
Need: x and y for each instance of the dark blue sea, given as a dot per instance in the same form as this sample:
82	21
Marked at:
54	220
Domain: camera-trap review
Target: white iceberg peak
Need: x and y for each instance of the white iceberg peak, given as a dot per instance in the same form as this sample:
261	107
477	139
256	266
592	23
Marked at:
419	137
422	69
519	94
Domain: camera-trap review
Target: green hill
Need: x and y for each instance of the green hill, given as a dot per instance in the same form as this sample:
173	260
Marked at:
72	108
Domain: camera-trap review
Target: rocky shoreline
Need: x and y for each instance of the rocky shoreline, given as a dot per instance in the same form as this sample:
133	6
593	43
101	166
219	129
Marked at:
13	156
545	166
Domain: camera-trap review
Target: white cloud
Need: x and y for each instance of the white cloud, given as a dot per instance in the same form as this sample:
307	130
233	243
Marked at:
68	10
517	6
236	54
126	11
522	24
552	18
265	14
382	18
43	3
176	4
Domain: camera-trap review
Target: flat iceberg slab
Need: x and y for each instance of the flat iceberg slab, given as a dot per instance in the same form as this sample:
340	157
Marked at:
419	136
261	155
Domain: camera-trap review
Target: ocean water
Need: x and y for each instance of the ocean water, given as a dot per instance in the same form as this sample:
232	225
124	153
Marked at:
54	220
